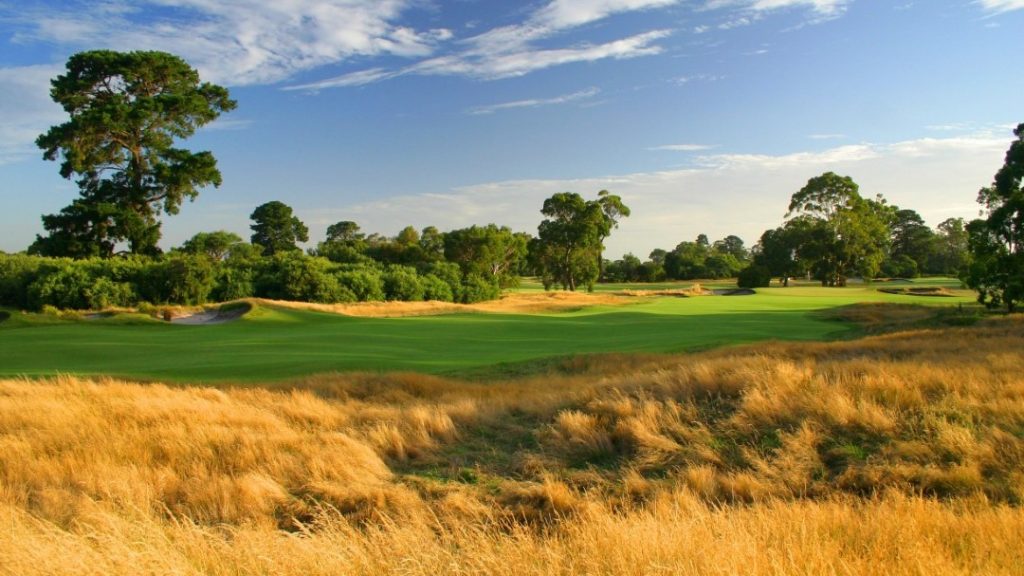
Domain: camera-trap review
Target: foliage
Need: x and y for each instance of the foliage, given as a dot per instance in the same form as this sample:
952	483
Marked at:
214	245
402	283
126	110
843	234
292	275
487	251
365	283
276	229
568	246
754	276
997	243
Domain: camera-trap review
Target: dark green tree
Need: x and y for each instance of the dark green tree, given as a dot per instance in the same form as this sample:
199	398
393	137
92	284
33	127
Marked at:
568	246
489	251
612	210
997	242
214	245
276	229
911	240
949	253
846	233
126	110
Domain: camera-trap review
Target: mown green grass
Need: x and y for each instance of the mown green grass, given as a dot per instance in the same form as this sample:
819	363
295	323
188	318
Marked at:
274	344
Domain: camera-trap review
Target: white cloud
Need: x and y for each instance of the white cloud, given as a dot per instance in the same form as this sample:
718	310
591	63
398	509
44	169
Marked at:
821	7
826	136
742	194
536	102
509	51
26	110
684	147
999	6
240	41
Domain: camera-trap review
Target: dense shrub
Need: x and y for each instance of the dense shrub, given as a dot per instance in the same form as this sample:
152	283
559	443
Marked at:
233	283
17	271
476	288
295	276
72	286
435	288
402	283
30	282
755	276
364	282
179	279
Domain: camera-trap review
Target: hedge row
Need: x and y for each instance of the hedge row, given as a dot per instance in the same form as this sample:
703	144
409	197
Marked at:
31	282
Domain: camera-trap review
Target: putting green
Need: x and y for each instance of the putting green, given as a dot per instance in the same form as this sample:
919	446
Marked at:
274	343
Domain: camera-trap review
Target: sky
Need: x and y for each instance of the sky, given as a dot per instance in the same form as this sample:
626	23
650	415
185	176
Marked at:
705	116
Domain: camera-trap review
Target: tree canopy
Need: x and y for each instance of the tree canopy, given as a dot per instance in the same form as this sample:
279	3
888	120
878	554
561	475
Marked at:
126	109
842	233
997	242
276	229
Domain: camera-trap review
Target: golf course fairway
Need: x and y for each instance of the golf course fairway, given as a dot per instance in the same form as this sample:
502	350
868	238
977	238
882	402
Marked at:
272	343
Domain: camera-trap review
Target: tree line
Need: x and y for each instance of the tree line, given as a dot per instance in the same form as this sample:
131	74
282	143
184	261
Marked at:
126	111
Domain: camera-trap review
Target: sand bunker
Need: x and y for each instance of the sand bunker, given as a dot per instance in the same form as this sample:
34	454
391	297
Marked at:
218	316
921	291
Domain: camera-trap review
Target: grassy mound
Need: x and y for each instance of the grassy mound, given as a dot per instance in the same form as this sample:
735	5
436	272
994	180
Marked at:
894	454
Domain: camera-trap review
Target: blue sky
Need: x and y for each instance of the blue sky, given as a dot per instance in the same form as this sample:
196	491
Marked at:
704	115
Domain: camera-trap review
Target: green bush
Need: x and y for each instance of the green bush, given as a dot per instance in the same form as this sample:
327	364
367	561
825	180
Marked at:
755	276
402	283
69	285
476	288
17	272
232	284
364	282
435	288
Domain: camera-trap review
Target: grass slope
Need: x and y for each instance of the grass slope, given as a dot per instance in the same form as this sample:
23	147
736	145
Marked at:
898	454
275	343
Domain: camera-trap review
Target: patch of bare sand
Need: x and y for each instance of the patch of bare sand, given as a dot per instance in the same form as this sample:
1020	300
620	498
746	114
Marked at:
517	302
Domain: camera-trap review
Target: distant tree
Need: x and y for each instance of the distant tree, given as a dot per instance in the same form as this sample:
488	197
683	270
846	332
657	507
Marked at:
214	245
408	236
612	210
777	250
686	260
432	243
126	110
845	234
949	253
911	239
489	251
276	229
568	242
997	242
344	231
732	245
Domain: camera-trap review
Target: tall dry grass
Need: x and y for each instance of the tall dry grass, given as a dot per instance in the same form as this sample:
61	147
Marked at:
899	454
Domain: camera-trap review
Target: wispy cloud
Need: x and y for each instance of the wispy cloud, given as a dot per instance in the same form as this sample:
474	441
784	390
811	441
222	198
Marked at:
821	7
1000	6
26	110
238	42
536	102
826	136
685	147
513	50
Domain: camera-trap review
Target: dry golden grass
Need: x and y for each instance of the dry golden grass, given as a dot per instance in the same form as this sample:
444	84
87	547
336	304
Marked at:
898	454
510	303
